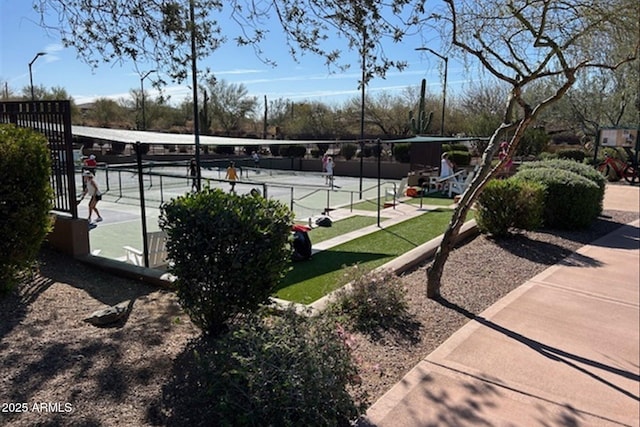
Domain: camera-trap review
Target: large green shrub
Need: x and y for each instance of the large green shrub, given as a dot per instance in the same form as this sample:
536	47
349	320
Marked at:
348	151
283	370
571	201
401	152
460	158
25	200
581	169
293	151
510	203
274	149
228	252
454	147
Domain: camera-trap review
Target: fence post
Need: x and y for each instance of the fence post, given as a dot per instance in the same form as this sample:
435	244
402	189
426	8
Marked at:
143	213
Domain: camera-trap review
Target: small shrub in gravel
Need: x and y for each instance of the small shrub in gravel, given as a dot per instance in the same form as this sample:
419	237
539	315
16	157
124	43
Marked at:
571	201
25	200
228	252
283	369
374	300
510	203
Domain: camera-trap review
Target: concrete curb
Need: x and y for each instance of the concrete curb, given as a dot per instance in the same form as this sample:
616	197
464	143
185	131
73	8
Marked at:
399	265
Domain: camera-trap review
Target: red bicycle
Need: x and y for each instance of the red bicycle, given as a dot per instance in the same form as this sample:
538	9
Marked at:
627	170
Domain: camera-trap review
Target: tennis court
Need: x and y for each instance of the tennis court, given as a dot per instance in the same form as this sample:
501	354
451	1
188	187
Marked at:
308	194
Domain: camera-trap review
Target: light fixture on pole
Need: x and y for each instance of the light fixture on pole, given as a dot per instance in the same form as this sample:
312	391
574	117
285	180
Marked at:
444	85
39	54
144	119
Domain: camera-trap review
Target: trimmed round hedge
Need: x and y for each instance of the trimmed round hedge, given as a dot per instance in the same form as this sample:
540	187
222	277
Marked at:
25	200
510	203
581	169
229	252
571	201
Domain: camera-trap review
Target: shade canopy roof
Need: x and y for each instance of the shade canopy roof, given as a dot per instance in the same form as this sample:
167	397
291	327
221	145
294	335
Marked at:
146	137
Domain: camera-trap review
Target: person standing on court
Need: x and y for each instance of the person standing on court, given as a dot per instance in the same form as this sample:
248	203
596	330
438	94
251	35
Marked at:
93	191
329	170
193	173
324	167
232	176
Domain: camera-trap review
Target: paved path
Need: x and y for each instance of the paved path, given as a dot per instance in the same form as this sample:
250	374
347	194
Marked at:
563	349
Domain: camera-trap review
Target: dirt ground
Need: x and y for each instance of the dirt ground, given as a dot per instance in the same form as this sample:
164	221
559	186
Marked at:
60	370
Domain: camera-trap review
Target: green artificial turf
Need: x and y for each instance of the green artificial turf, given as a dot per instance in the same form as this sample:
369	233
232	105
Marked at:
308	281
341	227
433	199
372	204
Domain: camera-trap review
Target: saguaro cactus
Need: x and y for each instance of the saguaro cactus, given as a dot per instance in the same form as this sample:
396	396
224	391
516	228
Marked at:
205	117
421	124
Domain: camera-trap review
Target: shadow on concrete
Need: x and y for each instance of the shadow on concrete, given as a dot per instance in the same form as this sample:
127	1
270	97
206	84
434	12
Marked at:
553	353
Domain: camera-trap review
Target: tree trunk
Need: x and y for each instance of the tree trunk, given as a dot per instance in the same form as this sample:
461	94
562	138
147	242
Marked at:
435	270
484	173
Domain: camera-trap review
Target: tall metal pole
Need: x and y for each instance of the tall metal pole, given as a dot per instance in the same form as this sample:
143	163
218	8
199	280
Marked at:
39	54
444	85
143	211
144	119
194	80
362	100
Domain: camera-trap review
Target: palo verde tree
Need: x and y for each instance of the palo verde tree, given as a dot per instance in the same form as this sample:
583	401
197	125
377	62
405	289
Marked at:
523	42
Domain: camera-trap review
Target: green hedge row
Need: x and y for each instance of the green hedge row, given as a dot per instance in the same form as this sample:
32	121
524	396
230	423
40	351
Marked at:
567	193
25	200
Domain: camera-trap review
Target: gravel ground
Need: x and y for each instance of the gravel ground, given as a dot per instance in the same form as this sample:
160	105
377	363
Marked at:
59	370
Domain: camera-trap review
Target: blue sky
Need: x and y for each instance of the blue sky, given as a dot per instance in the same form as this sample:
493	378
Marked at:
309	79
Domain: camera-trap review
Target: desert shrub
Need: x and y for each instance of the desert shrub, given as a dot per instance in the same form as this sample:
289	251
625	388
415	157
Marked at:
401	152
571	154
510	203
545	155
274	149
117	147
323	147
25	200
228	252
454	147
293	151
460	158
224	149
366	151
374	300
348	151
280	370
571	201
581	169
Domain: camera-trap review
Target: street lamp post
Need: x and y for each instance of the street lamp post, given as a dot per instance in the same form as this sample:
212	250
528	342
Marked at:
144	119
444	86
362	100
39	54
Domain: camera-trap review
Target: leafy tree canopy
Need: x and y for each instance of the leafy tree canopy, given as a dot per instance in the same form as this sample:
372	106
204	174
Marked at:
162	33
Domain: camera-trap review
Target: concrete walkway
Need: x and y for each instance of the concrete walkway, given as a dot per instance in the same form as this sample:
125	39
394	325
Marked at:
563	349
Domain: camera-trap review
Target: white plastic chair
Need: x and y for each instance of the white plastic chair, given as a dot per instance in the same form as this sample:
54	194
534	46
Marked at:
156	242
460	186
